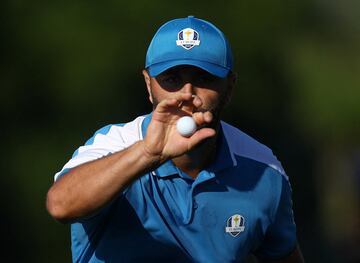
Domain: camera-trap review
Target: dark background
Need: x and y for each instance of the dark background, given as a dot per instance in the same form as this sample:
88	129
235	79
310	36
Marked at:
68	68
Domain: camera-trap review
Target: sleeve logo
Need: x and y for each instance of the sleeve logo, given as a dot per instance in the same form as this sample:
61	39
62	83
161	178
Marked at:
188	38
235	225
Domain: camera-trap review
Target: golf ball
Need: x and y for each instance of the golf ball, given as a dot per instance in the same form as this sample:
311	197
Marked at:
186	126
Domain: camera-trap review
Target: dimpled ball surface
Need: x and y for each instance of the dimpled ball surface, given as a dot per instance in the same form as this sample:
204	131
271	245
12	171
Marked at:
186	126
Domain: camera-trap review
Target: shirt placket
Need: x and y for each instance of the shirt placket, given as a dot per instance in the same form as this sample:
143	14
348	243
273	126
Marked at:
202	178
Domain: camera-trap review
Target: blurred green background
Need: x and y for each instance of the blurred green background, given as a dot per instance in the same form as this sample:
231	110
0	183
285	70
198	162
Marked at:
70	67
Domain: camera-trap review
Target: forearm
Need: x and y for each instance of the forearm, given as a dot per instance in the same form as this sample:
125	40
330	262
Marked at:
87	188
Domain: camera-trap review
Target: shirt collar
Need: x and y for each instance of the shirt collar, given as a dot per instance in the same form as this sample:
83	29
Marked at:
223	157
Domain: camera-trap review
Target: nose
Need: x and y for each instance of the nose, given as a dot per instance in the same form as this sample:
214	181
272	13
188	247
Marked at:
188	106
188	88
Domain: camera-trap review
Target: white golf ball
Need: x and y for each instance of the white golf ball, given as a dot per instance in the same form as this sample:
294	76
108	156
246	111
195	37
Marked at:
186	126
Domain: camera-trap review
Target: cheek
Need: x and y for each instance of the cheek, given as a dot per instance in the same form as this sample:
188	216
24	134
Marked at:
155	92
211	99
157	96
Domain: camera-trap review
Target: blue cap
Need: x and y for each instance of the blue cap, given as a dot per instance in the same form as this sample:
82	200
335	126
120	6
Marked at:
189	41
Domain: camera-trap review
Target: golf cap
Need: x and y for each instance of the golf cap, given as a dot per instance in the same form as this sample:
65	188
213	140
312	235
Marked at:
189	41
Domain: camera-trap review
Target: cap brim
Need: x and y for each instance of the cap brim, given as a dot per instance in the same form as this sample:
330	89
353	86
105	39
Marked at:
213	69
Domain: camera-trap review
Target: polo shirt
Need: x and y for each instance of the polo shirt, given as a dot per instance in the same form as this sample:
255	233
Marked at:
238	205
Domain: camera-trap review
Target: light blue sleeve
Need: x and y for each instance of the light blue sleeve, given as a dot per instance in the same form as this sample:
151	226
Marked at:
99	145
280	238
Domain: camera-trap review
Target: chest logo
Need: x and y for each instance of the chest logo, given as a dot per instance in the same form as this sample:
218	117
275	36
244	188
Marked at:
188	38
235	225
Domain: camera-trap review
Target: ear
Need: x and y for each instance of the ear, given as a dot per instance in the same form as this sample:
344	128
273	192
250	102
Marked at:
148	83
232	77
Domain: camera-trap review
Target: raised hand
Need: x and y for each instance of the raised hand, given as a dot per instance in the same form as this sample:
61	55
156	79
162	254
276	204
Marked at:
163	140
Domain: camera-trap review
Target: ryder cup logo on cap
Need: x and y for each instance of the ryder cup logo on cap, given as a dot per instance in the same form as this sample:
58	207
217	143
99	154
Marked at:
187	38
189	41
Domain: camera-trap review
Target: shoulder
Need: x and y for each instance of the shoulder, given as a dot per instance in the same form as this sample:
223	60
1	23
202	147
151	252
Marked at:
113	136
107	140
124	131
242	145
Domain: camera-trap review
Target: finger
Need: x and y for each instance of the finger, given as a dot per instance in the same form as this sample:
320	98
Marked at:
189	106
197	102
208	116
165	104
173	101
202	117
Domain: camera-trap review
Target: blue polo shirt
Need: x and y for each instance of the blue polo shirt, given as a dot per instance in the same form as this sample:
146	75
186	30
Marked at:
240	204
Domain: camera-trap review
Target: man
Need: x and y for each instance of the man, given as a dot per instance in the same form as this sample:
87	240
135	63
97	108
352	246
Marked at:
141	192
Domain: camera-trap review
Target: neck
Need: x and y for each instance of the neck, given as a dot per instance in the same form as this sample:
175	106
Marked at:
198	158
